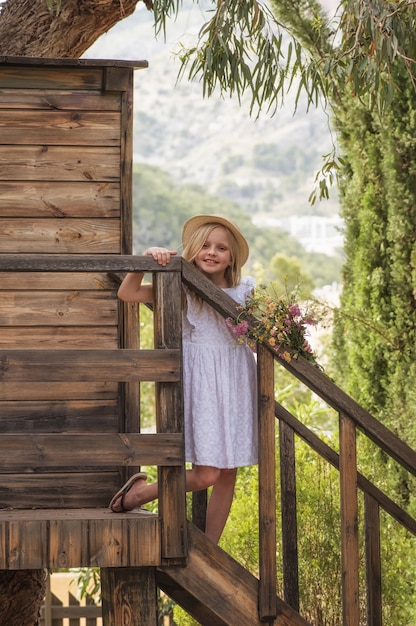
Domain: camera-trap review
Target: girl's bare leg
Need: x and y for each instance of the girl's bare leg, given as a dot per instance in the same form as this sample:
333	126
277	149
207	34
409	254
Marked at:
219	504
198	478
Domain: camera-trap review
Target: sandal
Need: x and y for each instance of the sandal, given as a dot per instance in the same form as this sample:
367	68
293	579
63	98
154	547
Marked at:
125	489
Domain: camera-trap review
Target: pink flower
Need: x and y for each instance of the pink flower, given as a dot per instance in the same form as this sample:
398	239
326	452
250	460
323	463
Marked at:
238	329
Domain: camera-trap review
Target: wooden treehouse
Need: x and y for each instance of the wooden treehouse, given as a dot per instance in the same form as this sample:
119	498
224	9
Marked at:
70	373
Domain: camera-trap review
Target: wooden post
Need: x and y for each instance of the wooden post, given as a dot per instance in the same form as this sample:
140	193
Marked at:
289	521
169	417
373	561
129	596
267	485
349	522
199	508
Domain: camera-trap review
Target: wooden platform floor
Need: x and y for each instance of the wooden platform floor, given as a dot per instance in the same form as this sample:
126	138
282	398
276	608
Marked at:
63	538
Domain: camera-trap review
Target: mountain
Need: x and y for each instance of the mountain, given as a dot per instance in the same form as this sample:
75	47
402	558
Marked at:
267	165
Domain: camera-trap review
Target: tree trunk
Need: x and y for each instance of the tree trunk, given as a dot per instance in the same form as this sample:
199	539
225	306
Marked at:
21	596
28	28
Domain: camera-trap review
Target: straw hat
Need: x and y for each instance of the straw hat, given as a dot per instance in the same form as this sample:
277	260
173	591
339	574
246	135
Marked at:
197	221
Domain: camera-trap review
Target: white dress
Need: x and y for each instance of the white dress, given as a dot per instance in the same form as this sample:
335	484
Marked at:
220	387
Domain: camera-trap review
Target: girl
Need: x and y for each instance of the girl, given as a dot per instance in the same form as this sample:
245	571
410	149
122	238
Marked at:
219	374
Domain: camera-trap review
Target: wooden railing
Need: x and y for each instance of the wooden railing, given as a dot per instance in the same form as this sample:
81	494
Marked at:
167	284
351	417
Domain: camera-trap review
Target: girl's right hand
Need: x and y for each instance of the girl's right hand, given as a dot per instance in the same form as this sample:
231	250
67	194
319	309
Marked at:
161	255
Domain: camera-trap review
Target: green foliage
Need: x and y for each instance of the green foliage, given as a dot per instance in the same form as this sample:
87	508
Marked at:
181	617
147	389
377	37
320	571
241	534
399	597
241	49
378	202
88	583
286	274
326	177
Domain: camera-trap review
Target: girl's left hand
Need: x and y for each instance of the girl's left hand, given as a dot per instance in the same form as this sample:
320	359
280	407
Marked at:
161	255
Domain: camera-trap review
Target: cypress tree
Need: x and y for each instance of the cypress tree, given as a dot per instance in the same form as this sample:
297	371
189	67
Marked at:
376	330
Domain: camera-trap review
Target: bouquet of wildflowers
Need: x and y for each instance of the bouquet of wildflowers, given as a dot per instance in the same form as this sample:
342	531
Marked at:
276	320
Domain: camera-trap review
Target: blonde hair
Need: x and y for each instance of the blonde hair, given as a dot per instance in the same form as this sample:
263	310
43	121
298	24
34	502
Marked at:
196	241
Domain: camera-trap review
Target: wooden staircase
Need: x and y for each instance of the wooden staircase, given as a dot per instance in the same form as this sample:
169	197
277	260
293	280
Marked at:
216	590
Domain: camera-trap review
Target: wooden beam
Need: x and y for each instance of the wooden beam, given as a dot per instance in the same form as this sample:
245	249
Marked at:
84	263
216	590
22	62
89	365
89	450
326	389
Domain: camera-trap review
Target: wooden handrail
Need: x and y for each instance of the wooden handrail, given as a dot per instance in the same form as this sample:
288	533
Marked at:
366	486
84	263
325	388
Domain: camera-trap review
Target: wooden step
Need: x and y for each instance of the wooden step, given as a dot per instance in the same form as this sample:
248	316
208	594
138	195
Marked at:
64	538
216	590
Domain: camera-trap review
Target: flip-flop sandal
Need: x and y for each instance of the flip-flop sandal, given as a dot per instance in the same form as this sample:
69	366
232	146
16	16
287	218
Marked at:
124	489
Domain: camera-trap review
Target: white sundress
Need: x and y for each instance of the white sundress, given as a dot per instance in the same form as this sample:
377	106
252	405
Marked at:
220	387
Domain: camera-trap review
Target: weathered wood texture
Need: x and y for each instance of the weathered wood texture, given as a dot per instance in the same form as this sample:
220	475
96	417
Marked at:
373	561
94	450
289	515
169	416
218	591
85	365
56	538
66	189
129	597
42	263
267	485
349	522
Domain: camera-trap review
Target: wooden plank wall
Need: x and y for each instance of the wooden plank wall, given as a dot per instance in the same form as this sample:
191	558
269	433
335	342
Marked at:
65	187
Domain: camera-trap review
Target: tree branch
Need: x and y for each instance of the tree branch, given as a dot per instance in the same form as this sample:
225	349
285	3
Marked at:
29	28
